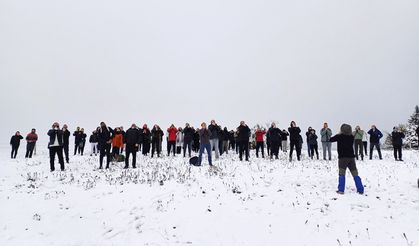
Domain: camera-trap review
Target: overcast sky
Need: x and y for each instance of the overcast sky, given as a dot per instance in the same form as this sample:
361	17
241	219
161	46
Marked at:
81	62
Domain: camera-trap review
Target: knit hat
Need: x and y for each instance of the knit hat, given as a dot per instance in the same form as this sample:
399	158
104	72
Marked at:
346	129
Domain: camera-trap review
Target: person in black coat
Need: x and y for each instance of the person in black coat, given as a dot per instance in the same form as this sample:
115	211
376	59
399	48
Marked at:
188	134
312	143
196	142
77	139
15	143
55	146
66	142
145	139
105	135
274	137
243	134
346	156
295	140
156	140
308	144
131	141
397	140
231	140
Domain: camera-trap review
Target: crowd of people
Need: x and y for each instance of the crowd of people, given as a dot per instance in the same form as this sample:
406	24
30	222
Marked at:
112	142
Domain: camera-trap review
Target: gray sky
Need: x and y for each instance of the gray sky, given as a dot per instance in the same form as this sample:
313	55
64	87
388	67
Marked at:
82	62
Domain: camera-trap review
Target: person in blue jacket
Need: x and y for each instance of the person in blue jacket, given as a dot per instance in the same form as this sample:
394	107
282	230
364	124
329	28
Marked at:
375	136
346	156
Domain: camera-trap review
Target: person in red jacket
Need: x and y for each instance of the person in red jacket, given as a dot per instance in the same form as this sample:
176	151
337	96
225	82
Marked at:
259	141
171	139
31	139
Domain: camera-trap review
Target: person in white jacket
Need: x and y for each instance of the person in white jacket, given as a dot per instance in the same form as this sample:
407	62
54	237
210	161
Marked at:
365	139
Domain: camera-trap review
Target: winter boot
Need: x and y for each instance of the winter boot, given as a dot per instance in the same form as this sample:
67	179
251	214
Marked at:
358	184
341	185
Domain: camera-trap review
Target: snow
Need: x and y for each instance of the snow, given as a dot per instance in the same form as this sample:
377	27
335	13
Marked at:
258	203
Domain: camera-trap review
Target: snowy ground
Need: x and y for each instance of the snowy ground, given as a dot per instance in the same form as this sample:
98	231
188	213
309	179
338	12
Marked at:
256	203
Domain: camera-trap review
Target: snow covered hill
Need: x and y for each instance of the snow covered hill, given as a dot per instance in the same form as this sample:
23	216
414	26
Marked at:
167	202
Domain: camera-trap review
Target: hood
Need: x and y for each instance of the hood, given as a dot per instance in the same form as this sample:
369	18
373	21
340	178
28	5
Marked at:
346	129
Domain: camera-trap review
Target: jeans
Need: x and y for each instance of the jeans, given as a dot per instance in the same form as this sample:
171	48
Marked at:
93	148
202	148
105	150
29	149
214	145
14	151
260	145
244	147
171	146
65	148
327	146
314	148
189	146
397	150
59	151
284	145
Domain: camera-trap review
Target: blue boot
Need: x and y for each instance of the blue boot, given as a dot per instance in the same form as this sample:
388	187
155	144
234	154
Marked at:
341	186
358	184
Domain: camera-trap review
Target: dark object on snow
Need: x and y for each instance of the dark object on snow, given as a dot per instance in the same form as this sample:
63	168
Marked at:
119	158
194	161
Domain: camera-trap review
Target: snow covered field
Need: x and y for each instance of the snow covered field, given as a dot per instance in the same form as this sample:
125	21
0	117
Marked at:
258	203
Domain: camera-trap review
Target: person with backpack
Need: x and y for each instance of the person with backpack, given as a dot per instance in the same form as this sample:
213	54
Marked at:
55	146
156	140
93	140
375	136
214	140
31	139
260	133
15	143
66	142
188	135
326	134
358	137
284	140
346	157
171	139
308	143
145	139
295	140
205	144
243	134
274	135
312	143
105	139
397	140
131	141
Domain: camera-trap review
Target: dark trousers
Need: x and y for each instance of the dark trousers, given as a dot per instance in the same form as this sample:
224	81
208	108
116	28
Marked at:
14	151
29	149
105	150
65	148
130	149
347	163
187	145
274	149
155	147
397	150
260	145
146	148
365	147
81	148
76	147
171	146
297	146
314	148
377	146
244	147
56	150
202	148
359	149
115	151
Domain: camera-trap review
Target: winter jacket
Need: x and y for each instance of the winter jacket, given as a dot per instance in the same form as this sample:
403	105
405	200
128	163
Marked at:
66	137
312	139
358	134
132	136
397	138
226	135
93	138
243	133
32	137
284	135
118	140
179	138
326	134
345	142
215	131
145	135
204	136
188	133
55	135
77	137
259	135
274	135
104	135
294	134
15	140
375	135
365	137
157	135
172	134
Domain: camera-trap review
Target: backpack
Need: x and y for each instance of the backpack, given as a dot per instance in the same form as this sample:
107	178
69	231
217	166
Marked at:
194	161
